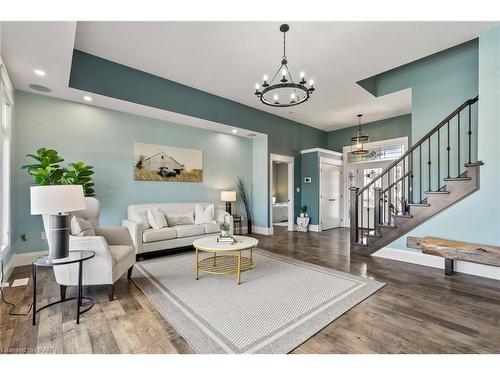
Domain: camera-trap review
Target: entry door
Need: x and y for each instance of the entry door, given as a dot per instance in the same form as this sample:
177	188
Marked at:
330	199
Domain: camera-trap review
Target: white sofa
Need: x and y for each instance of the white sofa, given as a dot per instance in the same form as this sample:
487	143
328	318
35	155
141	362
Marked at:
147	239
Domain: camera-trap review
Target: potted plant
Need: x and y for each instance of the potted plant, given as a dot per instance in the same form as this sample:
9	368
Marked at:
303	211
246	197
224	228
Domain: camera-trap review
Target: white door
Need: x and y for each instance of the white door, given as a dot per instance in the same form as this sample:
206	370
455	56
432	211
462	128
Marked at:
330	198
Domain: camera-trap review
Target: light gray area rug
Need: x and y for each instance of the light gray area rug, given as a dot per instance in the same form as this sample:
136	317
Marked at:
280	303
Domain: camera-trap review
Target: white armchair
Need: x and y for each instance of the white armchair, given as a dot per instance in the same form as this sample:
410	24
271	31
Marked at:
114	254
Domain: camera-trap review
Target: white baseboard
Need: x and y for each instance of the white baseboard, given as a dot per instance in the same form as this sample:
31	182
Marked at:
21	259
263	230
314	228
416	257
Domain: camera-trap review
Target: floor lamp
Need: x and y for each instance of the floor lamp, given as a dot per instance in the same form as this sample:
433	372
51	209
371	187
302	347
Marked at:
55	202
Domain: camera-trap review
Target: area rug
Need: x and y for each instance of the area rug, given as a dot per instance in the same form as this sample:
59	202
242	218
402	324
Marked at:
280	303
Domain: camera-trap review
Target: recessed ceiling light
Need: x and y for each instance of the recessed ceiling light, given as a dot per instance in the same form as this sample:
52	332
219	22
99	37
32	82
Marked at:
235	131
39	72
87	98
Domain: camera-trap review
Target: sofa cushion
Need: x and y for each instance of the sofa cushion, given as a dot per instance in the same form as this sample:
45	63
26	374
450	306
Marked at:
180	219
120	252
152	235
156	219
203	215
189	230
211	228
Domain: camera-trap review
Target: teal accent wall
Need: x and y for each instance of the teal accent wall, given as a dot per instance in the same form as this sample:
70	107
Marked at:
395	127
439	84
105	139
94	74
310	191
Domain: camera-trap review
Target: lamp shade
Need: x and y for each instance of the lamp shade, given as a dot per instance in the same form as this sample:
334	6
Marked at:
55	199
228	196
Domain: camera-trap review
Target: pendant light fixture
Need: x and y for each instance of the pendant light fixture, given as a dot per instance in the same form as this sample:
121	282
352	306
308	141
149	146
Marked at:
284	92
359	140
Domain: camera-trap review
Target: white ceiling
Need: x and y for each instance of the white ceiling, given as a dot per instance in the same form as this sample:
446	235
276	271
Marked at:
228	58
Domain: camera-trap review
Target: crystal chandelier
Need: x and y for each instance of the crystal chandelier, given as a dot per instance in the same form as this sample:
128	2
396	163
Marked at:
285	92
359	140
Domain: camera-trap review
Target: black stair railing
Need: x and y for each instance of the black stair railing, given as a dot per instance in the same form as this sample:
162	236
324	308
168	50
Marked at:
418	171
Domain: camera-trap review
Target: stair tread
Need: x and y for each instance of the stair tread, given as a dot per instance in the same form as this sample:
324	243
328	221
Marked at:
475	164
437	192
404	216
375	235
419	204
387	226
457	179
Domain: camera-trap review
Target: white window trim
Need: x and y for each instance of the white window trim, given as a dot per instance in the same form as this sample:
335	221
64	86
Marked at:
6	93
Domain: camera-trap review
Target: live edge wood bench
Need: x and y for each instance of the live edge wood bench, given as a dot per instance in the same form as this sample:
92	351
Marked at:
456	250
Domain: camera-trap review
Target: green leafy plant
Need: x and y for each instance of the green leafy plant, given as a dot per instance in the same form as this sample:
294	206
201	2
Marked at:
224	226
303	209
80	174
48	171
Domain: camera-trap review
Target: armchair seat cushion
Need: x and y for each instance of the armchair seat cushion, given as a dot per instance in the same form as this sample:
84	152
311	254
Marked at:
211	228
153	235
121	252
189	230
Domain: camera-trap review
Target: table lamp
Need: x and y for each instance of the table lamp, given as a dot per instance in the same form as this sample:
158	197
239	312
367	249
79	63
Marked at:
228	197
54	202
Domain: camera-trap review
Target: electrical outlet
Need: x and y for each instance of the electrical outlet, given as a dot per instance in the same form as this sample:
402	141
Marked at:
43	236
24	237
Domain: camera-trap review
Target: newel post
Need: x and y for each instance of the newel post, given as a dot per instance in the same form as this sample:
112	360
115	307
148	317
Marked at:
353	212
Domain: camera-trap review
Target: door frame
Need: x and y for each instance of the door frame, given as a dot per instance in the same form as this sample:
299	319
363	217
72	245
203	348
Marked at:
338	163
370	145
291	183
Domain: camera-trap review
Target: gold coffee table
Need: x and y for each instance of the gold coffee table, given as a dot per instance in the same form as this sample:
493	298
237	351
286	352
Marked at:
230	260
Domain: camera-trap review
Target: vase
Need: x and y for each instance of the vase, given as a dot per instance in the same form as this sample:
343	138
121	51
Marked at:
249	226
224	233
301	214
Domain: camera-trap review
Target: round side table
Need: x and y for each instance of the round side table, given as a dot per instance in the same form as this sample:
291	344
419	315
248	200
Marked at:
77	256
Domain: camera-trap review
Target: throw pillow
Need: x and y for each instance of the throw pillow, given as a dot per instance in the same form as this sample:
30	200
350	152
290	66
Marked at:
81	227
180	219
156	219
203	215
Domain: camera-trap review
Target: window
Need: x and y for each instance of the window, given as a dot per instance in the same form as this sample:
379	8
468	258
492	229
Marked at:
5	138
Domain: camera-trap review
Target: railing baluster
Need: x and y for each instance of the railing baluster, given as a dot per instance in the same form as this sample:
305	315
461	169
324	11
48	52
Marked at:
470	133
403	189
448	149
389	199
458	145
439	160
410	187
429	164
362	214
420	175
368	210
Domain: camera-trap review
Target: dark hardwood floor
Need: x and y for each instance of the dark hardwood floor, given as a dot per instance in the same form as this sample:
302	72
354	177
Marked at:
418	311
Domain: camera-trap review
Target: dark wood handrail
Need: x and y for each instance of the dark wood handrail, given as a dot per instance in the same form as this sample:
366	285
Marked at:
419	143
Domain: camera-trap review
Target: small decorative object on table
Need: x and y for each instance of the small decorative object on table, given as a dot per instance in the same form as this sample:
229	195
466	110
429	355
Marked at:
224	228
303	224
303	211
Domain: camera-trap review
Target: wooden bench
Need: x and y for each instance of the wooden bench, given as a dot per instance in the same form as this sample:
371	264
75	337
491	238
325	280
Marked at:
456	250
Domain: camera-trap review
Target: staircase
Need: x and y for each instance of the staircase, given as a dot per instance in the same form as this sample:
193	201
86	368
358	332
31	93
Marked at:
436	172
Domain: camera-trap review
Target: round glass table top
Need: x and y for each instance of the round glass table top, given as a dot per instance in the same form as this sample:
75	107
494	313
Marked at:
74	257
